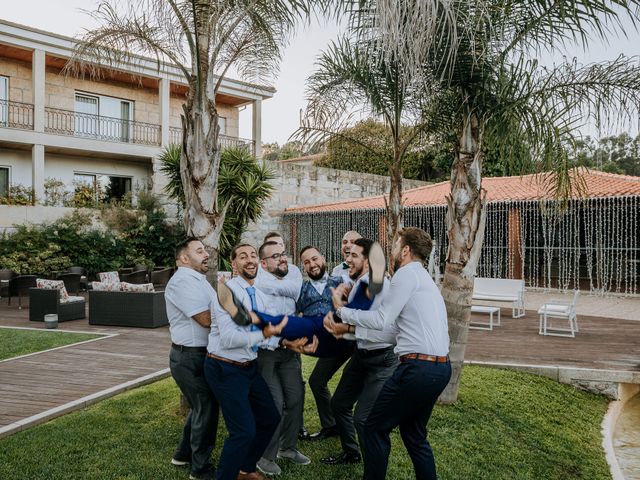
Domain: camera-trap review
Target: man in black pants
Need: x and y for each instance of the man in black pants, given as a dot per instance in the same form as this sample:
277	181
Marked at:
415	309
189	298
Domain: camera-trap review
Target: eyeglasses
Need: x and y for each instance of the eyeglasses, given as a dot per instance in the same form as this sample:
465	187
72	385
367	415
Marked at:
276	256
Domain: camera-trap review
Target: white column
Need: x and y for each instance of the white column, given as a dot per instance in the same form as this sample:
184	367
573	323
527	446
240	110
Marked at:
37	172
165	108
38	80
256	127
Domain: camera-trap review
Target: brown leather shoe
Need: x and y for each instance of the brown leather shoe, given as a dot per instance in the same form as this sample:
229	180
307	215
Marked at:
251	476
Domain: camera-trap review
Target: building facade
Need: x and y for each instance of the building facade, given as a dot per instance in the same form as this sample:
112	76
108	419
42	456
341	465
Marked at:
103	132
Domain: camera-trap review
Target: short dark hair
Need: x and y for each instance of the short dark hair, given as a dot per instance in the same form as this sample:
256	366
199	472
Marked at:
365	243
234	252
272	235
263	246
183	245
309	247
417	240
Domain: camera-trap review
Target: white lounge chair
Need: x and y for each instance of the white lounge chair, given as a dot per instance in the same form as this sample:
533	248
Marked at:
562	310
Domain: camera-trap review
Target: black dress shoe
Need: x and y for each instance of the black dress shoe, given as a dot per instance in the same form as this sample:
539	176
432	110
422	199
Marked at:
232	305
377	268
303	434
343	459
324	433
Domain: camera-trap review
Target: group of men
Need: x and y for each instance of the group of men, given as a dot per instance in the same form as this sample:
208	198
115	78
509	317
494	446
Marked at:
238	350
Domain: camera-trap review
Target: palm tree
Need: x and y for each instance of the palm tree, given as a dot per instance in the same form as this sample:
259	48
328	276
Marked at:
354	74
481	57
243	186
203	39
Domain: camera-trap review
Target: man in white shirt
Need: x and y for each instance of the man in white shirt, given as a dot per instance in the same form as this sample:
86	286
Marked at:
232	374
189	302
414	304
371	364
342	269
281	366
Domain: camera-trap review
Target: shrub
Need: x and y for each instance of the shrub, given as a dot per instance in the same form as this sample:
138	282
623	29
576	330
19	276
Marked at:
18	195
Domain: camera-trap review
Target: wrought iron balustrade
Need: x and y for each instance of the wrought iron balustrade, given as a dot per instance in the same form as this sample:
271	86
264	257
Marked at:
225	141
16	115
110	129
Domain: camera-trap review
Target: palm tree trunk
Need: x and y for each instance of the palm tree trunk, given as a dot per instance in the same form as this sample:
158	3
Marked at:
394	206
465	224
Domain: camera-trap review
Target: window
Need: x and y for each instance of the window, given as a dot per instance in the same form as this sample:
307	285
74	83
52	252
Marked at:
87	108
4	181
118	187
222	123
109	118
4	100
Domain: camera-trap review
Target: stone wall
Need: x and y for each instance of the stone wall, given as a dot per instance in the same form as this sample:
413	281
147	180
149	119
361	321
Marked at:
297	185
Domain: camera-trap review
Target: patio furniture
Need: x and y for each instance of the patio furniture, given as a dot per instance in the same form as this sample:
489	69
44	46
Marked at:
139	276
485	309
6	274
19	286
160	278
84	275
559	309
45	301
501	290
123	270
127	309
71	281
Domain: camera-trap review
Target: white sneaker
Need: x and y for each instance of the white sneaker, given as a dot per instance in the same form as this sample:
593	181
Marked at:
295	456
268	467
179	463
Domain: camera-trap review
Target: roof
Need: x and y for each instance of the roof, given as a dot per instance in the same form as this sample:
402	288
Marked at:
499	189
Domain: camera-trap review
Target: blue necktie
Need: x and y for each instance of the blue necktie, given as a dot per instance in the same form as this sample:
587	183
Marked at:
251	291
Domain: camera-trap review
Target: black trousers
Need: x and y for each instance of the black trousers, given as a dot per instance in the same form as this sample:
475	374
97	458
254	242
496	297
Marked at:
406	400
325	369
200	428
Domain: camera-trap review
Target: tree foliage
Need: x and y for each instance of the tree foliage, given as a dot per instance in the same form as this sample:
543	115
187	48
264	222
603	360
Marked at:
614	154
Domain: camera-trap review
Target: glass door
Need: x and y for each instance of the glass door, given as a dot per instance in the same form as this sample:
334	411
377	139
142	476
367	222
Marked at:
4	101
86	117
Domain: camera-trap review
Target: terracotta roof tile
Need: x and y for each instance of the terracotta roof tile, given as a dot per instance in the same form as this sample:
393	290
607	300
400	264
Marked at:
526	187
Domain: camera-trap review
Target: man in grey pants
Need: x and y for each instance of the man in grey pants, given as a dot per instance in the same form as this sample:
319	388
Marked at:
189	299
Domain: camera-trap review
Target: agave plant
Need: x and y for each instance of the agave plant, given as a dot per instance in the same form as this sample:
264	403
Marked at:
243	182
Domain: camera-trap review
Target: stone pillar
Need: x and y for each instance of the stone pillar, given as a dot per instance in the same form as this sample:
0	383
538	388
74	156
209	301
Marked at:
256	127
37	172
38	80
164	100
515	244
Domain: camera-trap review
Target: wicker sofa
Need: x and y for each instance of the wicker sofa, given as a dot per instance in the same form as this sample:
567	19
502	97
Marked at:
44	301
127	309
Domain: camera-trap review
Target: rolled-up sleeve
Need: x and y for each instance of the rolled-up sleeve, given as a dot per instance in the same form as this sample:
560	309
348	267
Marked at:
233	335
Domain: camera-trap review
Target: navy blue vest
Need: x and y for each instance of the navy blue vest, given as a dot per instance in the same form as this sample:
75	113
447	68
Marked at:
311	303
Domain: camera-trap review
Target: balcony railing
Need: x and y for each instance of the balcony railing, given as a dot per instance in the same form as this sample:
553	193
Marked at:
175	136
16	115
110	129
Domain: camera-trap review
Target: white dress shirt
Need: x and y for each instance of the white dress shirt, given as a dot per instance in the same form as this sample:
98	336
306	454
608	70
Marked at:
188	293
320	284
416	306
229	340
283	291
342	270
365	339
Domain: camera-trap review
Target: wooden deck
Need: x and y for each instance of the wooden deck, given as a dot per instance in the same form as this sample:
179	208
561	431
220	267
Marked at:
38	383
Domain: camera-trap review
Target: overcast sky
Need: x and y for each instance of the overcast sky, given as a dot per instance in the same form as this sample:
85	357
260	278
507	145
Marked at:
281	113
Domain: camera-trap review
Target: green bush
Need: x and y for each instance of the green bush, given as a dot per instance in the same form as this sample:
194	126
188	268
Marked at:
18	195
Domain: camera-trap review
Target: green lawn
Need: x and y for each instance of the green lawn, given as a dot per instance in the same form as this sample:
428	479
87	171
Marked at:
15	342
506	425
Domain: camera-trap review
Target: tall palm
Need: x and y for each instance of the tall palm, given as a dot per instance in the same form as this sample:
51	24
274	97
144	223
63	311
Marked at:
244	187
203	39
481	56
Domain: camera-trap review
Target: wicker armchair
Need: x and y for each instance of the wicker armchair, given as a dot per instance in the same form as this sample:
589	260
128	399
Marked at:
72	282
44	301
139	276
127	309
84	275
6	274
19	286
160	278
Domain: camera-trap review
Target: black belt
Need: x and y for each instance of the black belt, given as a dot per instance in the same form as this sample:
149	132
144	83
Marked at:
363	352
182	348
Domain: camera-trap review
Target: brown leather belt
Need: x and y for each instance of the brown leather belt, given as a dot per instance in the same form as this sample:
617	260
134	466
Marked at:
423	357
246	364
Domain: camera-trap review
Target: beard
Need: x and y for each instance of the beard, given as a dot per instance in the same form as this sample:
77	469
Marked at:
318	276
356	274
281	271
246	274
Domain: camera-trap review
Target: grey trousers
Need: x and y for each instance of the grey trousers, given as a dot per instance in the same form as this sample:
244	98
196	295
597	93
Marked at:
200	428
325	369
361	382
282	371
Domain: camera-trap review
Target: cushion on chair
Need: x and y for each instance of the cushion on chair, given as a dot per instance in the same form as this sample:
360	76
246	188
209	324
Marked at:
109	277
105	287
134	287
53	285
72	299
551	308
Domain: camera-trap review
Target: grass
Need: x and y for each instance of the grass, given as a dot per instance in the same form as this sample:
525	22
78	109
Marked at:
15	341
506	425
